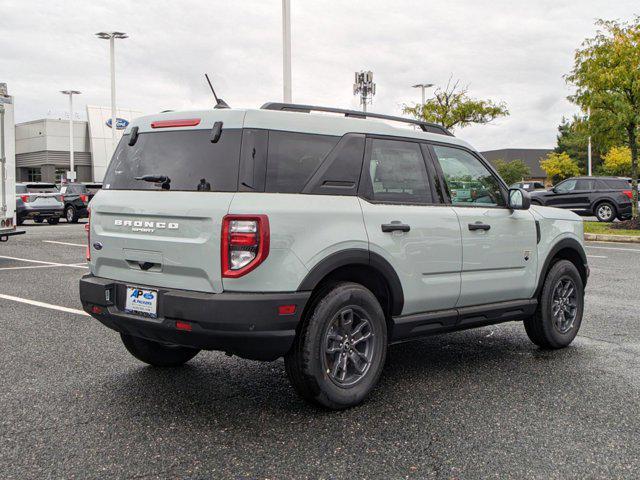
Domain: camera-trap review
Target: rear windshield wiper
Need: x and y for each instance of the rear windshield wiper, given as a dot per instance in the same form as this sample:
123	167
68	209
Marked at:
163	179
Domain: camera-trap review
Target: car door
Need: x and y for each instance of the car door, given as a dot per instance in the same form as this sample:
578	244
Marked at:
581	195
499	245
408	225
561	194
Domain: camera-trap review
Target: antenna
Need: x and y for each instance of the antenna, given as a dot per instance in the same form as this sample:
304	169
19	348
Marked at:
219	102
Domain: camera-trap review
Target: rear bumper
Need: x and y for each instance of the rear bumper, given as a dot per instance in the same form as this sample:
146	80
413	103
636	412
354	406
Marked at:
244	324
624	210
30	212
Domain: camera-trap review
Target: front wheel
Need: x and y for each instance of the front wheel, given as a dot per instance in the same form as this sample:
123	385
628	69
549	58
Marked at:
605	212
559	314
158	354
340	349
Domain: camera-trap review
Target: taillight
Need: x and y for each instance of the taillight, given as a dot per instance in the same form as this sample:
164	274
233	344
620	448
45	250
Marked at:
628	193
24	198
83	198
87	228
60	198
244	243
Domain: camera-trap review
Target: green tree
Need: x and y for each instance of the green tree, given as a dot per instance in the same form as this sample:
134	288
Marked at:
606	75
513	171
617	162
452	107
559	166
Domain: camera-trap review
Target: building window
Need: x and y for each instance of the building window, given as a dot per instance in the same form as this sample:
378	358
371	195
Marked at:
34	175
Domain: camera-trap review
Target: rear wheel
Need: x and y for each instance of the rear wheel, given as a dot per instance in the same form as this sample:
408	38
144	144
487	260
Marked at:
559	314
339	352
53	220
71	215
157	354
605	212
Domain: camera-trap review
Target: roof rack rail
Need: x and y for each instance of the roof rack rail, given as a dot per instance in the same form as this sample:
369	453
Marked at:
294	107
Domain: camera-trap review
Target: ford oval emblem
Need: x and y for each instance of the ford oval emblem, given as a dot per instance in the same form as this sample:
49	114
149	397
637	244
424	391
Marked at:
121	123
97	246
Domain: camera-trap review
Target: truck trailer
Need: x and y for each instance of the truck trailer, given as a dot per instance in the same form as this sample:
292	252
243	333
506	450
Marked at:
7	167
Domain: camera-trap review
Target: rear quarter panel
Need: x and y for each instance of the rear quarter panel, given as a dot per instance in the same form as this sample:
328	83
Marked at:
304	230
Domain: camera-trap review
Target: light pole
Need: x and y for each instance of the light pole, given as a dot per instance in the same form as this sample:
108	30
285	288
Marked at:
589	144
286	50
71	175
111	36
364	87
423	87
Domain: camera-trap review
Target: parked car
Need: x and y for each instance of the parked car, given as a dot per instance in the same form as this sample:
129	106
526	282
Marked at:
528	186
76	198
38	201
607	198
321	238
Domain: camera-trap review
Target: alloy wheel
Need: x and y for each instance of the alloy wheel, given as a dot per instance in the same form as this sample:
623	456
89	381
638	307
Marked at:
564	305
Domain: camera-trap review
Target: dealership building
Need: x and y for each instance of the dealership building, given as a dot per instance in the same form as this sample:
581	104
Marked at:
42	146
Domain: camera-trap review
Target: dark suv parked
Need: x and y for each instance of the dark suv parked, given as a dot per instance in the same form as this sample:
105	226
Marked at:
76	198
607	198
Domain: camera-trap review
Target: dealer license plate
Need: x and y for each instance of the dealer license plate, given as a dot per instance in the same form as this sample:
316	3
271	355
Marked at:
142	301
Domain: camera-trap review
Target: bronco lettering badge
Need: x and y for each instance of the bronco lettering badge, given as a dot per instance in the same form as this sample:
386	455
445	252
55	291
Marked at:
145	226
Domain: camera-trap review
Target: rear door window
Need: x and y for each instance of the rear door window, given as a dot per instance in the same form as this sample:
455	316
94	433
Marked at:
293	158
584	184
187	158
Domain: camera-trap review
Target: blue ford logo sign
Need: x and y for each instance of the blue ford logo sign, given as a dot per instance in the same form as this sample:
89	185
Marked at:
121	123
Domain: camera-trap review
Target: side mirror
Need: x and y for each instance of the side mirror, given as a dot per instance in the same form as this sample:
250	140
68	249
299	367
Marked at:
519	199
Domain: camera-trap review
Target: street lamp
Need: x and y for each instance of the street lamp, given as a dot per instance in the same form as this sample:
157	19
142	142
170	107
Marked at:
423	86
589	145
286	50
71	174
111	36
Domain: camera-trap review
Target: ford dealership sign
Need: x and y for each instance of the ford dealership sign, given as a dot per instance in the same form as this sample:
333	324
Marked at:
121	123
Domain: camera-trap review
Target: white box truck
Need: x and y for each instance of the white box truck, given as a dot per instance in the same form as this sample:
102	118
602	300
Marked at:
7	167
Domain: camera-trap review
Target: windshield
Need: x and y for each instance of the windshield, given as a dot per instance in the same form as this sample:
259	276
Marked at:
188	158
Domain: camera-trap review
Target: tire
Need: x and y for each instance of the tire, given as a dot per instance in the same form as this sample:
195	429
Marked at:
53	220
314	364
158	354
605	212
543	328
38	220
70	214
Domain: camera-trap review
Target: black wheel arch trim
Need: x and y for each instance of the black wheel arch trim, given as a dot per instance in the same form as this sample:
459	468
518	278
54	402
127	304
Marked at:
565	243
357	256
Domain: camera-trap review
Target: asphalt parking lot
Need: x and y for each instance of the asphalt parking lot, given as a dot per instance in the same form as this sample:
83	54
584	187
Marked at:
477	404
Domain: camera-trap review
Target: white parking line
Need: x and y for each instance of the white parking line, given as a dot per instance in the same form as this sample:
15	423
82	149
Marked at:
596	256
616	248
43	305
72	265
65	243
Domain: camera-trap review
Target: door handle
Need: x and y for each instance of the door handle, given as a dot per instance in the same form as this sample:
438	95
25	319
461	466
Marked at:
479	226
395	226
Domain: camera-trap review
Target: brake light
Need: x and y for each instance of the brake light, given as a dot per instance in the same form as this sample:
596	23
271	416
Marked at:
187	122
87	228
244	243
628	193
83	198
60	198
24	198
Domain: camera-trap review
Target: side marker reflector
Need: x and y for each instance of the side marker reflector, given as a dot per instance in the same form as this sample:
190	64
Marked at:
183	326
286	309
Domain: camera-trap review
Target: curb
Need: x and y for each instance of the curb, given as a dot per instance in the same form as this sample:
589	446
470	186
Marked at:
597	237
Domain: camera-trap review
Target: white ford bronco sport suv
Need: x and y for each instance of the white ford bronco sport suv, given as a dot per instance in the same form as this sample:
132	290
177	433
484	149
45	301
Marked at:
321	237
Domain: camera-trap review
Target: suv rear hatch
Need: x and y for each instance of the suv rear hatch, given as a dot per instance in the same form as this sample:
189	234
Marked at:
165	231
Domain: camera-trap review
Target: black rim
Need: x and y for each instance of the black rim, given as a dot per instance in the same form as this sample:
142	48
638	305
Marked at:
348	346
564	305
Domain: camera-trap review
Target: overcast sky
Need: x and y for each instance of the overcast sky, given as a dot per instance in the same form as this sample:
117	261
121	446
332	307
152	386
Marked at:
511	51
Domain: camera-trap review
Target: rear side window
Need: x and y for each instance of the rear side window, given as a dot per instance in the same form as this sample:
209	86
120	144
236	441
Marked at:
293	158
187	158
613	184
398	173
584	184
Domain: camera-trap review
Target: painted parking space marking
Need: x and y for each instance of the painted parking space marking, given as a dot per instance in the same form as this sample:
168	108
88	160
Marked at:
43	305
65	243
596	256
619	249
41	262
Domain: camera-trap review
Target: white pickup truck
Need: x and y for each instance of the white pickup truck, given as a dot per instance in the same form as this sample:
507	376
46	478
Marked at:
7	167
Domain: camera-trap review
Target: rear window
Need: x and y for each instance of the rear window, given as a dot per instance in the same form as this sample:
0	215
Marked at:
293	158
42	188
187	158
